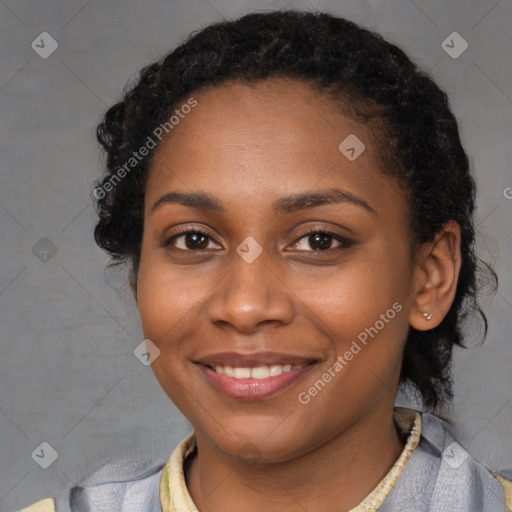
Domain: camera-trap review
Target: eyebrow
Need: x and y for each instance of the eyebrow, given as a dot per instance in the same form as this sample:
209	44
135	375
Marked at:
287	204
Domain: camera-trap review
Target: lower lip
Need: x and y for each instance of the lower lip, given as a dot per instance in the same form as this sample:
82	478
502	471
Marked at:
253	389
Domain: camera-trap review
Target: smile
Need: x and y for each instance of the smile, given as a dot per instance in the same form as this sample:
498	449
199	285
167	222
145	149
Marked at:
253	376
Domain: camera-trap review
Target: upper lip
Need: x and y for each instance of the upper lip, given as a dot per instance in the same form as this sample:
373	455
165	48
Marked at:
253	360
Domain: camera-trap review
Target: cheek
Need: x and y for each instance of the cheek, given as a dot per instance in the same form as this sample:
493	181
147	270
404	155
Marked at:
162	297
167	307
360	307
166	299
354	295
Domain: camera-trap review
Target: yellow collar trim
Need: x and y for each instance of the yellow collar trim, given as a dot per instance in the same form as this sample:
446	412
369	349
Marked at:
174	496
46	505
507	491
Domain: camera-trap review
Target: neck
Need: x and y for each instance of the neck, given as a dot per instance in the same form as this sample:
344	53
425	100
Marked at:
338	475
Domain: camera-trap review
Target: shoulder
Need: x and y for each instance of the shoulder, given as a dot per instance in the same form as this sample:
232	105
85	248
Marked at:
132	482
459	473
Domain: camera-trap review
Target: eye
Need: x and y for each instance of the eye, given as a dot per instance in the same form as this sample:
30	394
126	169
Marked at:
191	240
317	240
321	241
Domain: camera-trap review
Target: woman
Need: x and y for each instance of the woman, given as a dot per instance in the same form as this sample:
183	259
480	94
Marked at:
297	210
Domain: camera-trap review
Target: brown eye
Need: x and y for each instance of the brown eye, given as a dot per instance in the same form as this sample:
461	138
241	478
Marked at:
321	241
196	241
191	241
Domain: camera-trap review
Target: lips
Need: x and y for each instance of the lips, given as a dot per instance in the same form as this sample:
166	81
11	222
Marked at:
253	376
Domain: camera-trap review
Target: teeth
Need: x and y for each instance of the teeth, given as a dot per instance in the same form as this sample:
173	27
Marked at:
275	369
242	373
259	372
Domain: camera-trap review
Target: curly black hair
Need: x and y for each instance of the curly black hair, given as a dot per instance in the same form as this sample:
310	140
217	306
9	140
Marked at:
407	114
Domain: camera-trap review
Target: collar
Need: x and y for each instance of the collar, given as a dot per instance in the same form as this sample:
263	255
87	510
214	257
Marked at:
174	496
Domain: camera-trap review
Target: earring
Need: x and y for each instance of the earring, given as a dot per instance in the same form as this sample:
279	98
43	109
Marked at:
428	316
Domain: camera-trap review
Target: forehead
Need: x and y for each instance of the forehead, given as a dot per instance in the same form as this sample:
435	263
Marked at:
273	137
274	112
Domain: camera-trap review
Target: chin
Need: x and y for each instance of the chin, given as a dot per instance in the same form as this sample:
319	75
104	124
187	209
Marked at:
260	449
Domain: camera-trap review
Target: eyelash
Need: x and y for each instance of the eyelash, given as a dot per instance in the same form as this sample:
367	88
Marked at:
344	242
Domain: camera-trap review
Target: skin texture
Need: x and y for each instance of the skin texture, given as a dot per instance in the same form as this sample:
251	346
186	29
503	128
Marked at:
248	147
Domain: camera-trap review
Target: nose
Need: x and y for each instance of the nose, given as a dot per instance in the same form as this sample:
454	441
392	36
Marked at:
250	295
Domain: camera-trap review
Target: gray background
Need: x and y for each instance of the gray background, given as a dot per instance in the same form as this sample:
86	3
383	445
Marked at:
68	375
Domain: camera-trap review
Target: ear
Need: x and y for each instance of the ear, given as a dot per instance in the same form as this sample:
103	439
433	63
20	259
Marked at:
436	277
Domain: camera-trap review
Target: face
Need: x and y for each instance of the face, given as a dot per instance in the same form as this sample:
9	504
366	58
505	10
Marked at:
280	318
